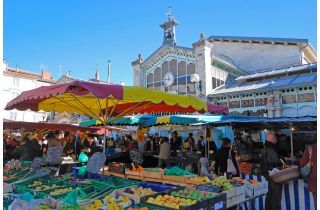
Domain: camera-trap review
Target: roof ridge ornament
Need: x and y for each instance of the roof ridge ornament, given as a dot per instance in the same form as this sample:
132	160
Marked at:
202	37
169	28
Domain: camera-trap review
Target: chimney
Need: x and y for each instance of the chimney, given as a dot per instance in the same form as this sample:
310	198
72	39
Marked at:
45	75
109	64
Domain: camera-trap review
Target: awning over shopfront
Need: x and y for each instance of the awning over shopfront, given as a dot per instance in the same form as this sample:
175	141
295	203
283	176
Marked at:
29	126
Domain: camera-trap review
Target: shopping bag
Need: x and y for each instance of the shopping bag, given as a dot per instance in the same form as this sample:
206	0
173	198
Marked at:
230	165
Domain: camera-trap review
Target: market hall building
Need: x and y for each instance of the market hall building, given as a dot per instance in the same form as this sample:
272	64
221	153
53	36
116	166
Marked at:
271	77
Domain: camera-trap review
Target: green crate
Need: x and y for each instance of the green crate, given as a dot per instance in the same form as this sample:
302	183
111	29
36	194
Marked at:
114	182
24	186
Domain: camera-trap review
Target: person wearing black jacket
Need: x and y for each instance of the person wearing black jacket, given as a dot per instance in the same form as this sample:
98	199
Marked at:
271	159
88	147
221	158
28	150
72	147
175	142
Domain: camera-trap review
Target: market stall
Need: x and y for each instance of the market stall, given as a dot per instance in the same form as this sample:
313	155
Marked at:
107	103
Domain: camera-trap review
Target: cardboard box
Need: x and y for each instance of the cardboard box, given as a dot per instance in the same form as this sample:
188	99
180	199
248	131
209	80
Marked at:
230	193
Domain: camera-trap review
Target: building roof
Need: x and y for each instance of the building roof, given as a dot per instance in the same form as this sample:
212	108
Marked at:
280	71
291	81
14	72
66	79
259	39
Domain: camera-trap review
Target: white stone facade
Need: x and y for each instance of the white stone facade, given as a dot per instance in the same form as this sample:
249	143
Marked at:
218	63
14	83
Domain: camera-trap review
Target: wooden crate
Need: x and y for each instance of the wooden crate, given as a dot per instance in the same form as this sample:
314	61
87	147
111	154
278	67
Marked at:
152	179
177	179
155	175
182	184
132	173
117	175
133	177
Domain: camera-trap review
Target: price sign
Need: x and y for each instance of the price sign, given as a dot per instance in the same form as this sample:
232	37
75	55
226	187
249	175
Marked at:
96	161
54	155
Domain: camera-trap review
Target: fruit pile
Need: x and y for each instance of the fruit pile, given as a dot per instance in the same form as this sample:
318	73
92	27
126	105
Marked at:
245	180
222	182
136	169
193	194
46	187
200	179
35	183
111	202
245	168
171	201
61	191
139	208
139	191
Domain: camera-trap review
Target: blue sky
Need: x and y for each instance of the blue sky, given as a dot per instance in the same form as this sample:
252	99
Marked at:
80	34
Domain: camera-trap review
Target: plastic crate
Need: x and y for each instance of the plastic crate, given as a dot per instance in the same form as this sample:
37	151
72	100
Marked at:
114	182
157	187
200	205
141	205
25	186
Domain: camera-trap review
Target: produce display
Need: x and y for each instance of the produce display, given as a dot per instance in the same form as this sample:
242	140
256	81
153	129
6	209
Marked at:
193	194
222	182
200	179
139	191
61	191
176	171
245	180
111	202
245	168
46	187
138	208
170	201
136	169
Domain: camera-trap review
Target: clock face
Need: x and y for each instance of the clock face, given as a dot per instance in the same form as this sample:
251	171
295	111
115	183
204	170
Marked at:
168	79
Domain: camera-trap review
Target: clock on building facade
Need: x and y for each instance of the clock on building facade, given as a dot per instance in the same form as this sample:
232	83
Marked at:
168	79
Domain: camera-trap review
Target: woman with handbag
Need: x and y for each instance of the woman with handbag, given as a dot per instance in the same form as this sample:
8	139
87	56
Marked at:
225	161
308	169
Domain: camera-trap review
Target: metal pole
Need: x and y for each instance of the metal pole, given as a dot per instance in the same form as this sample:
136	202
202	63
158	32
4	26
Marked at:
291	141
205	143
109	65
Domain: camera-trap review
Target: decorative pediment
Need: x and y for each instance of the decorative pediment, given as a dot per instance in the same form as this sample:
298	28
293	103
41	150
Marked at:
164	51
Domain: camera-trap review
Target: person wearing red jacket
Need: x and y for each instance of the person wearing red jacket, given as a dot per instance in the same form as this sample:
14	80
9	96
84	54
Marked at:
310	154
